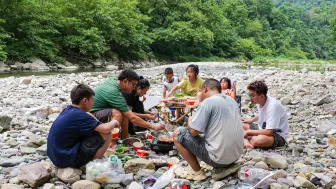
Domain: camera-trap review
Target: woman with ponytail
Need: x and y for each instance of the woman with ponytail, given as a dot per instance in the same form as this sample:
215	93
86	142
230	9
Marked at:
136	105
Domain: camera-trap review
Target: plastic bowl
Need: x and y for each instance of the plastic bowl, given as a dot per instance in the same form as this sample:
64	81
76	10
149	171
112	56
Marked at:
137	146
142	153
115	133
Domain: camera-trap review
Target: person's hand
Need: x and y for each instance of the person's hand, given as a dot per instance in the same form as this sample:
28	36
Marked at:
115	123
247	121
234	87
150	116
246	133
158	127
169	94
153	114
143	98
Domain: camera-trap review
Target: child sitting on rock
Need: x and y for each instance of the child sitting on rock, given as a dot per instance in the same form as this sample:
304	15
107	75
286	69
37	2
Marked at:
77	137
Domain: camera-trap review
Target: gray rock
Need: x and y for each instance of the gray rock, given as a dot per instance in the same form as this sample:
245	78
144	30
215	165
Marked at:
11	186
333	155
220	173
303	182
111	67
26	81
69	175
327	125
42	150
5	121
275	186
261	165
26	66
38	64
285	100
27	150
279	174
135	185
332	163
127	179
286	182
48	186
34	174
133	165
11	162
277	161
85	184
324	100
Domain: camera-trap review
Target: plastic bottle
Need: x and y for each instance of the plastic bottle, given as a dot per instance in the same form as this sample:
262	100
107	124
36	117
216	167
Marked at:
252	175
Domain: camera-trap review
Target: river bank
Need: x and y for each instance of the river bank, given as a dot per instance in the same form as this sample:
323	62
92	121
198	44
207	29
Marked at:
30	104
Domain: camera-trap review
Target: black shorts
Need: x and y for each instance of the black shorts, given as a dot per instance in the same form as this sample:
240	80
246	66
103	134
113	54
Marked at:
279	141
88	149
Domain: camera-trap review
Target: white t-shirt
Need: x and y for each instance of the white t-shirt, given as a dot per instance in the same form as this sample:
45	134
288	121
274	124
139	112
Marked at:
218	117
170	85
273	116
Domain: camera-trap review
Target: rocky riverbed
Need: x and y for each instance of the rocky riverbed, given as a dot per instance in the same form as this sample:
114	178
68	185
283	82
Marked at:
29	105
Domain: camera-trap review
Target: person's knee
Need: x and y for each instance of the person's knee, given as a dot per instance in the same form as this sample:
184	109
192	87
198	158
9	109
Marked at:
117	115
259	140
106	136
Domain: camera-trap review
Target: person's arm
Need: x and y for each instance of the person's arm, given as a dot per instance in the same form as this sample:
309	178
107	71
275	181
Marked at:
177	87
164	92
145	116
192	131
107	127
234	91
140	122
248	121
267	132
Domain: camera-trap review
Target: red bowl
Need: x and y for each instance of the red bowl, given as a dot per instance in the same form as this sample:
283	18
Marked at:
142	153
115	133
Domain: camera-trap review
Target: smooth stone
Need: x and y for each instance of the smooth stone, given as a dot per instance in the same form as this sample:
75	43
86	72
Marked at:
261	165
218	185
69	175
332	163
42	150
220	173
303	182
279	174
284	181
11	186
48	186
34	174
85	184
135	185
27	150
277	161
275	186
5	121
11	162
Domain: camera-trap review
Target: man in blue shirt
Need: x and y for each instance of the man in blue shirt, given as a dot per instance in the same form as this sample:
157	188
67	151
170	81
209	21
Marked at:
77	137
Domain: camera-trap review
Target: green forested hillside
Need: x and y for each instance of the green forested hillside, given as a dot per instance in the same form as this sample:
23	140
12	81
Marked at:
177	30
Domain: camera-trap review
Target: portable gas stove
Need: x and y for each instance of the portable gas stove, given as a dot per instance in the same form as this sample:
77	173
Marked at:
162	147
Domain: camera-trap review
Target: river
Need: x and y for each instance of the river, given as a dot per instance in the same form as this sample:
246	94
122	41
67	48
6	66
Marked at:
239	67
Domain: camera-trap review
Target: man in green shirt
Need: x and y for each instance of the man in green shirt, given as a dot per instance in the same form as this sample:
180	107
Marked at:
109	103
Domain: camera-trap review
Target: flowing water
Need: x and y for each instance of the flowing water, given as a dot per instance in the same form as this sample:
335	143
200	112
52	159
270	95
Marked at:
239	67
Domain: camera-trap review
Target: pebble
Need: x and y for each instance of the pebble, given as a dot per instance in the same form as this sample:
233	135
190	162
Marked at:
33	103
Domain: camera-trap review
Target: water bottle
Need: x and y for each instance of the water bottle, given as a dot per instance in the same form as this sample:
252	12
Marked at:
253	176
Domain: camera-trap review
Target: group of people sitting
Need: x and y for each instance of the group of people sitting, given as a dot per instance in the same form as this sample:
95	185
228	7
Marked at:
215	134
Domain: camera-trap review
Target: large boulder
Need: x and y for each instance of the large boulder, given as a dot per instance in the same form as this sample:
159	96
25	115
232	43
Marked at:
325	100
38	64
4	67
133	165
11	186
111	67
69	175
34	174
98	64
85	184
19	65
26	66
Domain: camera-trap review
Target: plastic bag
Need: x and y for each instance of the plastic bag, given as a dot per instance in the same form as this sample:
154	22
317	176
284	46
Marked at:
165	179
104	172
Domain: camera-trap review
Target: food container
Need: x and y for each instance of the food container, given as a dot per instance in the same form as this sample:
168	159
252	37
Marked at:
172	161
191	102
137	146
142	153
115	133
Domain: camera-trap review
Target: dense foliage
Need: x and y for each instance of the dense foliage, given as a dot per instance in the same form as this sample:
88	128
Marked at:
177	30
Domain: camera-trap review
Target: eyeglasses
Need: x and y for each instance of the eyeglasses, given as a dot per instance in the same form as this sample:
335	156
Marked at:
250	95
133	84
